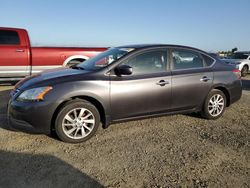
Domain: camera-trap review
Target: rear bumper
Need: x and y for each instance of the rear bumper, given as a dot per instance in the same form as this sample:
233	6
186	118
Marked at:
235	91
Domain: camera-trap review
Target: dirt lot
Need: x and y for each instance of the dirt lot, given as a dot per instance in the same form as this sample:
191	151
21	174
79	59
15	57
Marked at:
172	151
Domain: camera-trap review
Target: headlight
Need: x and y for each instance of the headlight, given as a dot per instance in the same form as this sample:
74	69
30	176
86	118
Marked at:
34	94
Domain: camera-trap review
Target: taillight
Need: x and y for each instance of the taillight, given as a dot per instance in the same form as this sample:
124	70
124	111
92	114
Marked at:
237	73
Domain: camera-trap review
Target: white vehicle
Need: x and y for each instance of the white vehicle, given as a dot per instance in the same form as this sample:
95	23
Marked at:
242	61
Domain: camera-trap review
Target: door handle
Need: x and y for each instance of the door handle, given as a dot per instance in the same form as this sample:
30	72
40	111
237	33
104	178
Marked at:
205	79
162	83
19	50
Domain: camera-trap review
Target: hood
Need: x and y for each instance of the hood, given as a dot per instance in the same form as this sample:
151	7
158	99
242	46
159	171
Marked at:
49	76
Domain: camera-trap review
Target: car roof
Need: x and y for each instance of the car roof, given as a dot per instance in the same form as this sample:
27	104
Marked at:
145	46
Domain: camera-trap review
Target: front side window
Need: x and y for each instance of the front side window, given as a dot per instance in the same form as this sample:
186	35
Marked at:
150	62
186	59
9	37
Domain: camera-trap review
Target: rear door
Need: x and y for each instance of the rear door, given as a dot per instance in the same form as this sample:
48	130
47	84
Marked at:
14	59
192	78
146	91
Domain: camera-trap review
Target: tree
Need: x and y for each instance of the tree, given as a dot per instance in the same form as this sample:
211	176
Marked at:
234	49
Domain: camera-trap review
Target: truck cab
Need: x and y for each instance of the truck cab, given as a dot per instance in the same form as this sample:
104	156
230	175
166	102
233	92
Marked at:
14	54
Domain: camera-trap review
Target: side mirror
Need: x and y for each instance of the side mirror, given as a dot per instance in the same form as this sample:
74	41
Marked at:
123	70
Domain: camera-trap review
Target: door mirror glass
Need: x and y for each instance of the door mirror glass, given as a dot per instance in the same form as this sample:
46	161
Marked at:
123	70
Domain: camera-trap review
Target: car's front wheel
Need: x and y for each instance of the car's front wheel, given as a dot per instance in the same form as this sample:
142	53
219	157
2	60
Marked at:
214	105
77	121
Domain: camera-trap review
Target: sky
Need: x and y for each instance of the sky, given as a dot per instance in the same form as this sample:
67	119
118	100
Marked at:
210	25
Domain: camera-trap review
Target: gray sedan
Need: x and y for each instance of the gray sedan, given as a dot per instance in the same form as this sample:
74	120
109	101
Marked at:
121	84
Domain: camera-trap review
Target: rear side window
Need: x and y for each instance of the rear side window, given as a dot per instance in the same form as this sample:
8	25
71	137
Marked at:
187	59
9	37
208	60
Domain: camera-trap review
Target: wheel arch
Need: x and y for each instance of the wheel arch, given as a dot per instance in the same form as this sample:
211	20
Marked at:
92	100
225	91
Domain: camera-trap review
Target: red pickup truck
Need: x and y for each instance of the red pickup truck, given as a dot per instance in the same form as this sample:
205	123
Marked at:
18	59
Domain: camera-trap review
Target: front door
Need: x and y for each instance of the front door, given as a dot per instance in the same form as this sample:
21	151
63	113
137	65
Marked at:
146	91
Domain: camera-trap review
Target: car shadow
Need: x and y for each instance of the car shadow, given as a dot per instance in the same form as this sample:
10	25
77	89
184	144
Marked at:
194	115
30	170
245	84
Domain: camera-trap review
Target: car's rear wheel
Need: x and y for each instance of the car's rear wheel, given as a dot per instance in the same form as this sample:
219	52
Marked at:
244	71
77	121
214	105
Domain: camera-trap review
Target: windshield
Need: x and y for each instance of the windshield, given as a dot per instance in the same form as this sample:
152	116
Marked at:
239	56
105	58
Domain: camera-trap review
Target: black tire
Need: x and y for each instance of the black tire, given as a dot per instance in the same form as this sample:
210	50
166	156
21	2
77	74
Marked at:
244	71
207	105
73	63
67	108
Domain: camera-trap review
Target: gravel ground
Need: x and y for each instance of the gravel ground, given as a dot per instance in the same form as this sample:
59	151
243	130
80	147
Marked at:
171	151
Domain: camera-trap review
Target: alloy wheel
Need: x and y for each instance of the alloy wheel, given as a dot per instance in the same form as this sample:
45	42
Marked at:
216	105
78	123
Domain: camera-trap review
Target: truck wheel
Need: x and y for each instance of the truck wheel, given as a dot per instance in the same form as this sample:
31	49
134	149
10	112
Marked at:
77	121
73	63
244	71
214	105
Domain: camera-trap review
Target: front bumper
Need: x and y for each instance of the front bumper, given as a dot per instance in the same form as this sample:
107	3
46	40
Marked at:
34	117
21	125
